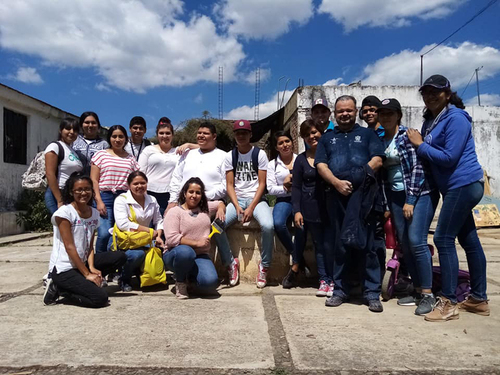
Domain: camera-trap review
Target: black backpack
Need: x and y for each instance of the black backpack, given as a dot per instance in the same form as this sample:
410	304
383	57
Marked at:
255	159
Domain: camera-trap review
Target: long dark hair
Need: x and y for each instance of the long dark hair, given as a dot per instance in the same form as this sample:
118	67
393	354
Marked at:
454	99
281	133
120	128
203	202
67	192
87	114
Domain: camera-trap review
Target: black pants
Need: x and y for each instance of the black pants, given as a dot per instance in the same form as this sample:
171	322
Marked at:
73	285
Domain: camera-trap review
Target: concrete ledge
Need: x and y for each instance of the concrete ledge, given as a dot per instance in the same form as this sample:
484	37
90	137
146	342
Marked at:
245	242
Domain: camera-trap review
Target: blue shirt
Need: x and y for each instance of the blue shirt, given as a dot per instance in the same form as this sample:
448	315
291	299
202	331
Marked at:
342	151
449	148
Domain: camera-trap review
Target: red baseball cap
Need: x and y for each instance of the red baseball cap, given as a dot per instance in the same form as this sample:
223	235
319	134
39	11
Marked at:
242	125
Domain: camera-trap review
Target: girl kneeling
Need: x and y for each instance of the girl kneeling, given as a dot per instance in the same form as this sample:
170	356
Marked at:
75	271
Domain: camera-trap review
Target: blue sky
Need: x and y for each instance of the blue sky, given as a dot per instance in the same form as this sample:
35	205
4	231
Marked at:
153	58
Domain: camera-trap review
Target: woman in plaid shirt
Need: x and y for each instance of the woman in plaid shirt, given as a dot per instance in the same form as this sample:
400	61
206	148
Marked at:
412	202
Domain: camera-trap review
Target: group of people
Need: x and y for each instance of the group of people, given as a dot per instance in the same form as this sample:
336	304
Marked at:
340	190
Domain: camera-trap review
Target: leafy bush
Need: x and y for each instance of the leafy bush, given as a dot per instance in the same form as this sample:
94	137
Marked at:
36	216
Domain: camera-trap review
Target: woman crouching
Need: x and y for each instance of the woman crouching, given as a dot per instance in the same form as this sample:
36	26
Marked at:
187	227
75	272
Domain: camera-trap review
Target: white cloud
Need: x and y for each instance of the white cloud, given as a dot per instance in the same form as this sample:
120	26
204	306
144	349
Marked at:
389	13
265	74
456	63
486	99
265	109
127	42
102	87
198	98
27	75
333	82
263	19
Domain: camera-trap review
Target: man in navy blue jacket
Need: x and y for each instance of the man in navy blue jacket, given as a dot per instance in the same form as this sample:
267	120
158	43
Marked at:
340	156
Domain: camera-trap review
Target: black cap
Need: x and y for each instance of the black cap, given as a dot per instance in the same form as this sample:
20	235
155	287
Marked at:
438	81
391	104
370	100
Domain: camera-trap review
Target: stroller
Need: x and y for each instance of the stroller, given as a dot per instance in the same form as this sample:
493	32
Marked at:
392	269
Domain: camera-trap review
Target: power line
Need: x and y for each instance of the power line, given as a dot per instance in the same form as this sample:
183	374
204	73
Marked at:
461	27
472	76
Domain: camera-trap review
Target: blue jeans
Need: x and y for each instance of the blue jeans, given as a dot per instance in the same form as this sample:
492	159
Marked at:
282	214
186	265
50	201
412	235
104	239
342	254
261	213
456	220
135	259
324	264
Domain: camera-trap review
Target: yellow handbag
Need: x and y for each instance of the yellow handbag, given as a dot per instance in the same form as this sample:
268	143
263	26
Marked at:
154	269
126	240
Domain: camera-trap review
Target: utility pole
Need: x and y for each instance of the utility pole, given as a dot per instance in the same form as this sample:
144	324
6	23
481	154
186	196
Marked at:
477	85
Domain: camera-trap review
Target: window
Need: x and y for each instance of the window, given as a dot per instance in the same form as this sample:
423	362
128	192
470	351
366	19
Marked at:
15	127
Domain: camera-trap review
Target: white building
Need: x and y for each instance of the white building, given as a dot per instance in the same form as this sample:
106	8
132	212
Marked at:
27	126
486	119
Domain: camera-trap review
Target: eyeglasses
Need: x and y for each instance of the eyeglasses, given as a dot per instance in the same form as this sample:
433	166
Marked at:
81	191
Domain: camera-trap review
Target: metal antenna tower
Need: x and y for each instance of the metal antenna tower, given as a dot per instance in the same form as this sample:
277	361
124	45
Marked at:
221	93
257	95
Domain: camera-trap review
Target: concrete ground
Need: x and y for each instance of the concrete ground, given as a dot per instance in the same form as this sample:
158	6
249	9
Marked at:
244	330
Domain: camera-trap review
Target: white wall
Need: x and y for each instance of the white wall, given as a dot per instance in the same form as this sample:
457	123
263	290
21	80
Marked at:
486	120
43	127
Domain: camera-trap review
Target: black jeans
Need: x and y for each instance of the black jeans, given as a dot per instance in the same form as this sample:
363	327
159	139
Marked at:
74	286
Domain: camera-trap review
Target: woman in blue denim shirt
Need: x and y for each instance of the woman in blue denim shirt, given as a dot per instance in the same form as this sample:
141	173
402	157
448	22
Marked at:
412	202
448	145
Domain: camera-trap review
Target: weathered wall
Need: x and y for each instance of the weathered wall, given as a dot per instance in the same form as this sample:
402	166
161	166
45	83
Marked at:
486	120
43	126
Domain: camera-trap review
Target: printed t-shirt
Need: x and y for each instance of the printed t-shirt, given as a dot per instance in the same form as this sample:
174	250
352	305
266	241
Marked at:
70	163
246	180
82	230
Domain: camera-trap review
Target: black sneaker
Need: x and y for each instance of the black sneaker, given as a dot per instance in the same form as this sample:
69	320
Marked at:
334	301
51	293
425	305
411	300
374	305
290	280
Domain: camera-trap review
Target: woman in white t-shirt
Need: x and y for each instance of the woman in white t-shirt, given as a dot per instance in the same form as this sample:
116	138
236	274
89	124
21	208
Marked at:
75	272
158	162
60	162
109	171
146	211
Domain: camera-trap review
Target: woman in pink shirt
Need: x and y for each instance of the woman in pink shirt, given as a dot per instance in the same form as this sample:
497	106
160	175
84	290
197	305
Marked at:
187	227
109	171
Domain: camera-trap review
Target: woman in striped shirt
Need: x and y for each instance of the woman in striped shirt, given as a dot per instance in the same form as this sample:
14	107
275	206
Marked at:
109	171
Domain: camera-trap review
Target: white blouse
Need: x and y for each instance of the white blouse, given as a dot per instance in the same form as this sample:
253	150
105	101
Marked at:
144	216
276	174
159	167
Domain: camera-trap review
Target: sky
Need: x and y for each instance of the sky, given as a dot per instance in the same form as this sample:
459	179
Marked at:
154	58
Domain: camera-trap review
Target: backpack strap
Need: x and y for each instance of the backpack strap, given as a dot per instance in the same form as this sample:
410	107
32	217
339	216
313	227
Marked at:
60	155
234	154
147	142
255	159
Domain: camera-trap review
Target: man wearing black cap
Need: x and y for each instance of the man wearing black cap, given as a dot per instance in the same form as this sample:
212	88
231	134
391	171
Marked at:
346	158
368	113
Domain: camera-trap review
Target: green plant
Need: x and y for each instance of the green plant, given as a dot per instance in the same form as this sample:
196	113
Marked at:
35	215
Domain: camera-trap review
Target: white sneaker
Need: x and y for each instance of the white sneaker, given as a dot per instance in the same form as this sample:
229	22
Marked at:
234	272
261	277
